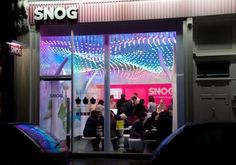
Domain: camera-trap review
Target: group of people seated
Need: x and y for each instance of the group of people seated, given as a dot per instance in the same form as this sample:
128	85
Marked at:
94	128
147	122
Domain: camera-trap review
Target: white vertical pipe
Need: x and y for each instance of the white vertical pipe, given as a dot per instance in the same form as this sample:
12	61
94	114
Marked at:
107	125
72	88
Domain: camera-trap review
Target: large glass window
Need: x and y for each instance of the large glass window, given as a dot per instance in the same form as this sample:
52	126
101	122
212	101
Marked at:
140	63
88	76
143	63
55	55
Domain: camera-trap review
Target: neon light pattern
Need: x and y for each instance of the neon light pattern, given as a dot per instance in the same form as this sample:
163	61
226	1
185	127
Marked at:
133	57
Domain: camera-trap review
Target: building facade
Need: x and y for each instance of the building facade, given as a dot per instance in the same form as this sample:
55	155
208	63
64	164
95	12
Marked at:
102	37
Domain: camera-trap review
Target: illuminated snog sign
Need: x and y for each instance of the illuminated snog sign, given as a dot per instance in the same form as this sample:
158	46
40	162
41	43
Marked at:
15	48
160	91
58	13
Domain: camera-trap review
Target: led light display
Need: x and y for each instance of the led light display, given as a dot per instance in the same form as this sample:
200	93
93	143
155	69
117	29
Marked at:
133	57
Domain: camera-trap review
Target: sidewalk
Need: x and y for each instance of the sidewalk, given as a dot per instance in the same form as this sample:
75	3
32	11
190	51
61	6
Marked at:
111	159
103	161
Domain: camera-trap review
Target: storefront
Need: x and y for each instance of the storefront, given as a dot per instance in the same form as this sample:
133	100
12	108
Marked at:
84	51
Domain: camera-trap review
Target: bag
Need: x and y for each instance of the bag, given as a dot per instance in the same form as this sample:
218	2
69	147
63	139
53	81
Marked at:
119	124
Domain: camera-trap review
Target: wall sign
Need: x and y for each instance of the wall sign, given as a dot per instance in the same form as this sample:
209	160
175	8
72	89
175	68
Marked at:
158	91
55	13
15	48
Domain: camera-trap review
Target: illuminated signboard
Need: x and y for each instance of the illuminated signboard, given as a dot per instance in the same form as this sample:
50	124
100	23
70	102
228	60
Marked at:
15	48
55	13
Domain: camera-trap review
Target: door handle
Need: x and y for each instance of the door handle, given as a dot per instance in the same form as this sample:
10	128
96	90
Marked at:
213	109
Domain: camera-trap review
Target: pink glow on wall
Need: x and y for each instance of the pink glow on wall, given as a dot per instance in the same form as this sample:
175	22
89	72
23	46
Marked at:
159	91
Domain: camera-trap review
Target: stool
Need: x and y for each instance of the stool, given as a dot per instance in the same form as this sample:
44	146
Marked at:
89	144
136	145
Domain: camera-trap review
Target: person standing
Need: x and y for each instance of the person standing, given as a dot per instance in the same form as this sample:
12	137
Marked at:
128	107
112	102
161	106
151	106
136	95
139	108
119	102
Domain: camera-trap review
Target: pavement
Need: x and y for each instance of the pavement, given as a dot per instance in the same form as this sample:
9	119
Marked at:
105	161
82	157
111	159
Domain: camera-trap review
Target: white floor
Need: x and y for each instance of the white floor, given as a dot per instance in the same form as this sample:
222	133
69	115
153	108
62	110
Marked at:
82	145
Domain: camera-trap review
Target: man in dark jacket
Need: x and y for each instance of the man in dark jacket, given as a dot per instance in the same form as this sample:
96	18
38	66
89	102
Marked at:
90	129
119	103
128	107
137	130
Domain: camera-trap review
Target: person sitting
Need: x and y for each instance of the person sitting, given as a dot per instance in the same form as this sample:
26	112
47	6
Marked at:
90	129
150	124
137	131
164	126
100	123
100	106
